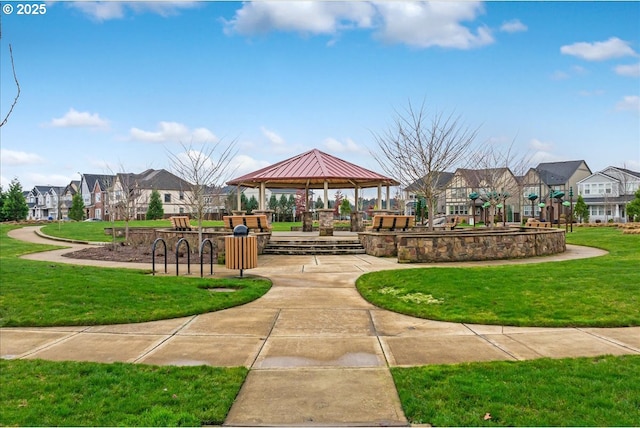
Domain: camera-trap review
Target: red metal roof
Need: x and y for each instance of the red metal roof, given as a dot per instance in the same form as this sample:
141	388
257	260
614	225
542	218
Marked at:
312	169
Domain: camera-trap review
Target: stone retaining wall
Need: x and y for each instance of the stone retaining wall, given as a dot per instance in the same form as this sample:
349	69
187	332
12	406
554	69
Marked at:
146	236
464	245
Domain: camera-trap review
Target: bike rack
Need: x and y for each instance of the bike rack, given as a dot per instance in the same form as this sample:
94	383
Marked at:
153	255
180	241
207	240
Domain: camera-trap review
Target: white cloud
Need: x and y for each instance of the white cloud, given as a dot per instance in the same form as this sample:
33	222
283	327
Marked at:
630	70
513	26
173	132
307	17
538	145
599	51
421	25
77	119
106	10
430	24
13	157
629	103
243	164
349	146
272	136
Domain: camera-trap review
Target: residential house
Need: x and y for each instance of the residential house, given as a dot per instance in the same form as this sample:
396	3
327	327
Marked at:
412	194
497	188
607	193
94	190
44	203
550	177
132	193
67	197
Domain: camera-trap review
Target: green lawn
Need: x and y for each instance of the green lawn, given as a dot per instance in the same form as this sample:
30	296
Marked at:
94	230
43	393
50	294
602	291
602	391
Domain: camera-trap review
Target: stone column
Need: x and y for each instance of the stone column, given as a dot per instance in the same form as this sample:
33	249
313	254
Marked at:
326	222
380	212
307	221
268	213
356	221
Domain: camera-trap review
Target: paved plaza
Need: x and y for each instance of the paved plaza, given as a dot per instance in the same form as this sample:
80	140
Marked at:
319	354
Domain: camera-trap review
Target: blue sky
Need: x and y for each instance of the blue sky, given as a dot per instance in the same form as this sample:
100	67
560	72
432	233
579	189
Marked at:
112	86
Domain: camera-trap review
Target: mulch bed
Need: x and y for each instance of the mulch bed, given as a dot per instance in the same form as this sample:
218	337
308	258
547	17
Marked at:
130	254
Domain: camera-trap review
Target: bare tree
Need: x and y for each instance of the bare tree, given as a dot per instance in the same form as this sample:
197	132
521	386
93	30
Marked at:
126	193
205	169
419	149
496	177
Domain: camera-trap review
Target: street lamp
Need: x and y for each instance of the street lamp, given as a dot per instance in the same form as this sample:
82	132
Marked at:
571	208
541	205
532	197
558	195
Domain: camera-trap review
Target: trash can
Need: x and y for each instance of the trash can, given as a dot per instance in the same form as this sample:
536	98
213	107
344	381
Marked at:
241	250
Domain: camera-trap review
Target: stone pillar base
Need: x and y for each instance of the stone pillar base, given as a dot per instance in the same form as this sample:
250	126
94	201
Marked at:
238	212
326	222
268	213
381	212
307	221
356	222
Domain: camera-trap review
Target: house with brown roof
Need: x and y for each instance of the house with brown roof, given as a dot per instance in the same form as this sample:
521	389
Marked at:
131	193
497	190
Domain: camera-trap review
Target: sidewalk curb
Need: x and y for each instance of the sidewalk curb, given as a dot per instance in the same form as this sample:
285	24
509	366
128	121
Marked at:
41	234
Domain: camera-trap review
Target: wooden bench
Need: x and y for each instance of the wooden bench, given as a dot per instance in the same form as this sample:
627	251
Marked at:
392	222
532	222
258	222
180	223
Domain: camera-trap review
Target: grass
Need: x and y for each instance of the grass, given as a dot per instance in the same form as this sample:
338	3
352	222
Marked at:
94	230
599	292
602	391
37	293
42	393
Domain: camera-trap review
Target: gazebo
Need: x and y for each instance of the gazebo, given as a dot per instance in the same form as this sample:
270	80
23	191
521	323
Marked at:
315	170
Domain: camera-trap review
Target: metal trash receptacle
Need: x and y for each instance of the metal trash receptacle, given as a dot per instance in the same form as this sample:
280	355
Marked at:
241	250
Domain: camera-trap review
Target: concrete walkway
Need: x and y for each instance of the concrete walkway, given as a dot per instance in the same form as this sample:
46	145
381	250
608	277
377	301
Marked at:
319	354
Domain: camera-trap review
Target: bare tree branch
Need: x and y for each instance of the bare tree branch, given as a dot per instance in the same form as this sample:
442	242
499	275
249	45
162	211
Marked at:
15	78
205	169
418	150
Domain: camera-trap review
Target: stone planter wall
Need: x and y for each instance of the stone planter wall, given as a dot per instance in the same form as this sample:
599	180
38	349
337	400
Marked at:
145	237
464	245
379	244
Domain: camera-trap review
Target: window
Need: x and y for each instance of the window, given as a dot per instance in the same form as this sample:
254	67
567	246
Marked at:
458	193
98	197
181	210
167	197
181	196
458	209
